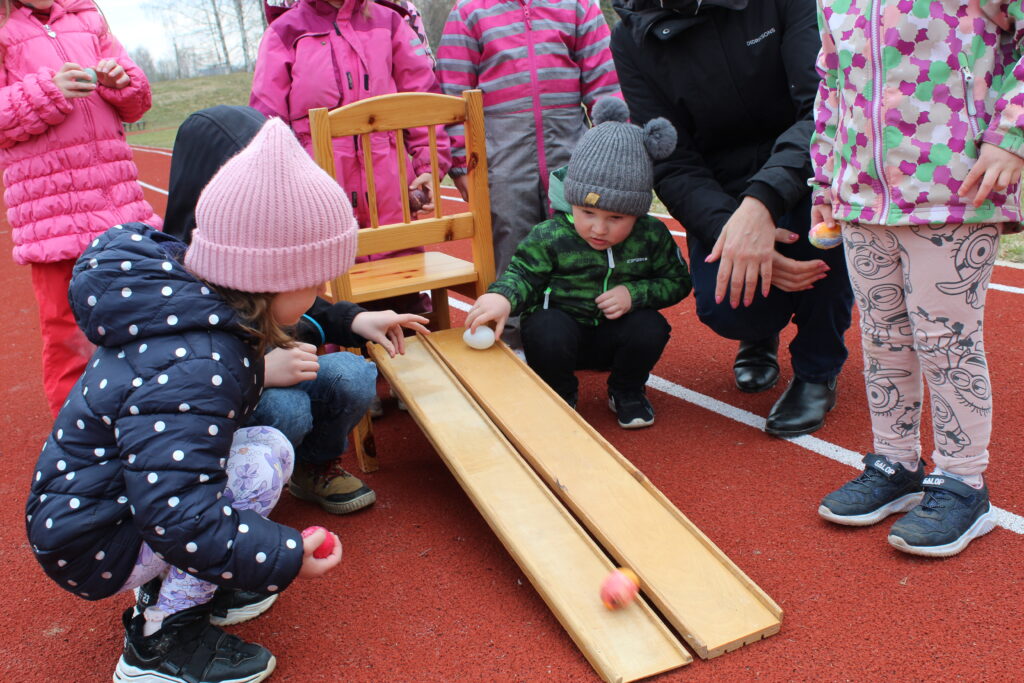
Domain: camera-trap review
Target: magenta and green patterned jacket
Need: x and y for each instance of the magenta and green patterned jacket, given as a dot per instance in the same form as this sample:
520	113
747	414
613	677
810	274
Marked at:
910	90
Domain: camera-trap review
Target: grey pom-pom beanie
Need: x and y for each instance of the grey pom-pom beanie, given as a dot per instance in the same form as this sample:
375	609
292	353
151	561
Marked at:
611	167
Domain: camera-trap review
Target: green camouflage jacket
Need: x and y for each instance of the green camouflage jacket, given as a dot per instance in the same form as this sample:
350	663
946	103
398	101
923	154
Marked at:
555	268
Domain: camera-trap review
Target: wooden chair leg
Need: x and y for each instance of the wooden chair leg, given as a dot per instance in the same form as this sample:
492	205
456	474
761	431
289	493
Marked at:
366	447
442	314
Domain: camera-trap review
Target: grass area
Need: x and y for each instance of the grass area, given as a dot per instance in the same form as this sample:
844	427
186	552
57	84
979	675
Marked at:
173	101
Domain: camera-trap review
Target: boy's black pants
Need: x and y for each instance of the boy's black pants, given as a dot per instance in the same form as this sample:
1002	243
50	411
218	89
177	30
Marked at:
556	346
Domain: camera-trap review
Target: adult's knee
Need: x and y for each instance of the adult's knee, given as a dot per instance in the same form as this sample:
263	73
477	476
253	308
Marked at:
765	317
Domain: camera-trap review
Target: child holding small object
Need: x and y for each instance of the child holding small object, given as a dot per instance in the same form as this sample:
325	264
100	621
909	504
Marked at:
314	400
66	84
589	281
917	156
150	477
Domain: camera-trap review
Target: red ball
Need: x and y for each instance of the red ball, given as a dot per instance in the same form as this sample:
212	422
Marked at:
325	548
619	588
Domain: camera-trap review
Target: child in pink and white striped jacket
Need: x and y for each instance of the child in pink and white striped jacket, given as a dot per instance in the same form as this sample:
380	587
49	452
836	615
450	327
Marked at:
537	62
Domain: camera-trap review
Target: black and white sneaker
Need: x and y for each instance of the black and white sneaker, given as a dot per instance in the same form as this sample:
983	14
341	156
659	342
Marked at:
229	606
189	649
882	489
632	408
951	515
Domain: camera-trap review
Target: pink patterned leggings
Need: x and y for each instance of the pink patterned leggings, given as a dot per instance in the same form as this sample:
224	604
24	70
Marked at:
259	465
921	294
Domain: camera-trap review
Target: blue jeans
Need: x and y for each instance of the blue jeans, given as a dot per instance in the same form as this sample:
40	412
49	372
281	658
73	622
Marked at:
318	414
822	314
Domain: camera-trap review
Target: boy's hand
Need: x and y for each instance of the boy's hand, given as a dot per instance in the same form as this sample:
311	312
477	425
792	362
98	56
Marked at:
385	328
288	367
313	567
73	81
995	168
110	74
423	184
615	303
490	307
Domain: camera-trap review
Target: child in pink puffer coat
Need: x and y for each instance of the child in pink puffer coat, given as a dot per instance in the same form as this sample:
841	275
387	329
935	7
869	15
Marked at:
68	172
327	53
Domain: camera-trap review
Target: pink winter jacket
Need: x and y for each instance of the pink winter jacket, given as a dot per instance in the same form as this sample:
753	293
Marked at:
68	172
314	55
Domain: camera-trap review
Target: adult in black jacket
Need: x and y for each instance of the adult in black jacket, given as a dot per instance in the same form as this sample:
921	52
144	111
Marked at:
737	80
315	401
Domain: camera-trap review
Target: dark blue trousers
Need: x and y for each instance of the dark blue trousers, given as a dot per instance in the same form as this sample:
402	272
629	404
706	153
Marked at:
822	314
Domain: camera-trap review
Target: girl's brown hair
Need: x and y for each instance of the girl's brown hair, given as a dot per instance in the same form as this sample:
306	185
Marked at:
254	309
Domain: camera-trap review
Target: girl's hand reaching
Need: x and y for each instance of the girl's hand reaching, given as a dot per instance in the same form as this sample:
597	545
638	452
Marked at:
490	307
73	81
288	367
110	74
423	184
313	567
995	168
385	328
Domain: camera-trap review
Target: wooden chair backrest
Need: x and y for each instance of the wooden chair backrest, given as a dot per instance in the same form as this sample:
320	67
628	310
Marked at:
396	113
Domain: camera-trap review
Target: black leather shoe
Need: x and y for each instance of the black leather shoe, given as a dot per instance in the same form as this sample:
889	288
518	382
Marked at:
757	365
802	408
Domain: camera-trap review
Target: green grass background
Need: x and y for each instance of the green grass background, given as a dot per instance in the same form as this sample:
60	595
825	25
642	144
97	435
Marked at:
173	101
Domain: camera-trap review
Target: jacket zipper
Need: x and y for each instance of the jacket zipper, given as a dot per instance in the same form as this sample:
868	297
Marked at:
538	115
972	108
607	276
876	104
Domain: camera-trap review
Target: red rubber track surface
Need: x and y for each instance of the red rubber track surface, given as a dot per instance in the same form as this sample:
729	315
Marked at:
425	592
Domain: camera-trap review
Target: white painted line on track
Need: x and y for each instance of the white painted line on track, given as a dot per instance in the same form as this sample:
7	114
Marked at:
153	187
152	150
1003	518
1006	288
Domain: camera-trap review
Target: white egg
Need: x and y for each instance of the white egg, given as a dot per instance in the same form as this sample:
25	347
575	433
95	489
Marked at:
483	338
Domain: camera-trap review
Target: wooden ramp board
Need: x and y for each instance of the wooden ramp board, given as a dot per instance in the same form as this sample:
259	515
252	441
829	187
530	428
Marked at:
709	600
556	554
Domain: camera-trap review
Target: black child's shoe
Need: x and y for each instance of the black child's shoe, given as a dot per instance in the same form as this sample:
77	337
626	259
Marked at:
229	606
632	408
189	649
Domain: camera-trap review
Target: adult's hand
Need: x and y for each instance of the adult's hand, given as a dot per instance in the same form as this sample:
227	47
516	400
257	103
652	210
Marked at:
746	250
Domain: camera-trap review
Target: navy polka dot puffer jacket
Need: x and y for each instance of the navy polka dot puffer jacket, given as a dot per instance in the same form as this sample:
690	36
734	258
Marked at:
138	451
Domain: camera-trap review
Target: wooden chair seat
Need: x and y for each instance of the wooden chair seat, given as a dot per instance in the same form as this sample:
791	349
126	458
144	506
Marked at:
430	270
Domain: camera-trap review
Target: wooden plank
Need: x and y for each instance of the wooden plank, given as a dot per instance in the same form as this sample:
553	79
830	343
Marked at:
418	233
396	110
374	280
708	599
556	554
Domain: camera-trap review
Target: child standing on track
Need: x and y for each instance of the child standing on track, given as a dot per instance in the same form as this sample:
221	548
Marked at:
917	155
536	63
68	172
589	281
150	473
328	53
314	400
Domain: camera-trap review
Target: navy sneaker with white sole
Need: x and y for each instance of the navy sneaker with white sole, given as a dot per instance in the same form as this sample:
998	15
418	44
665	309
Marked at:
951	515
229	605
884	488
632	409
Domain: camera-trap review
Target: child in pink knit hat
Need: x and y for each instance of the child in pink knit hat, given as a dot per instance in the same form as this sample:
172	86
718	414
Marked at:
149	476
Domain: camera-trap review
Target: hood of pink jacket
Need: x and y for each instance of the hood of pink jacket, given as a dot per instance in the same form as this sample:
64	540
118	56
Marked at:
68	172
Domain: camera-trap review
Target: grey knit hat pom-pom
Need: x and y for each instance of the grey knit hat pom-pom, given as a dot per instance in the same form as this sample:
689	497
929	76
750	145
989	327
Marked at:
609	109
659	138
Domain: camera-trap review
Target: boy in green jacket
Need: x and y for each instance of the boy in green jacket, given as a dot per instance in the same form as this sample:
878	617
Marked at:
588	282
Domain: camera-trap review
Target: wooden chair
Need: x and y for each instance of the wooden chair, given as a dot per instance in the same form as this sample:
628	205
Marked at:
431	270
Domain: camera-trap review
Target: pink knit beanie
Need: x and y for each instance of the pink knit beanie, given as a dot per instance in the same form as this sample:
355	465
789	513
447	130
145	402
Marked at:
271	220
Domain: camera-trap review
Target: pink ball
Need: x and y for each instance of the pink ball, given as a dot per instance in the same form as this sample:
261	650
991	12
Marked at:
325	548
619	588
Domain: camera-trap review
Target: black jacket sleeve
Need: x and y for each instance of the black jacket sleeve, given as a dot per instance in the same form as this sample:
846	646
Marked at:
327	323
782	181
683	180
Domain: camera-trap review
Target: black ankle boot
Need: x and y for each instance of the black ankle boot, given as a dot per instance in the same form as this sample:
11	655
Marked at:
802	408
188	649
757	365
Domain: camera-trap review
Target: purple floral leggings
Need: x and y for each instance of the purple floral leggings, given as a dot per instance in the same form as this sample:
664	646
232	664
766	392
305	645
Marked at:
259	465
